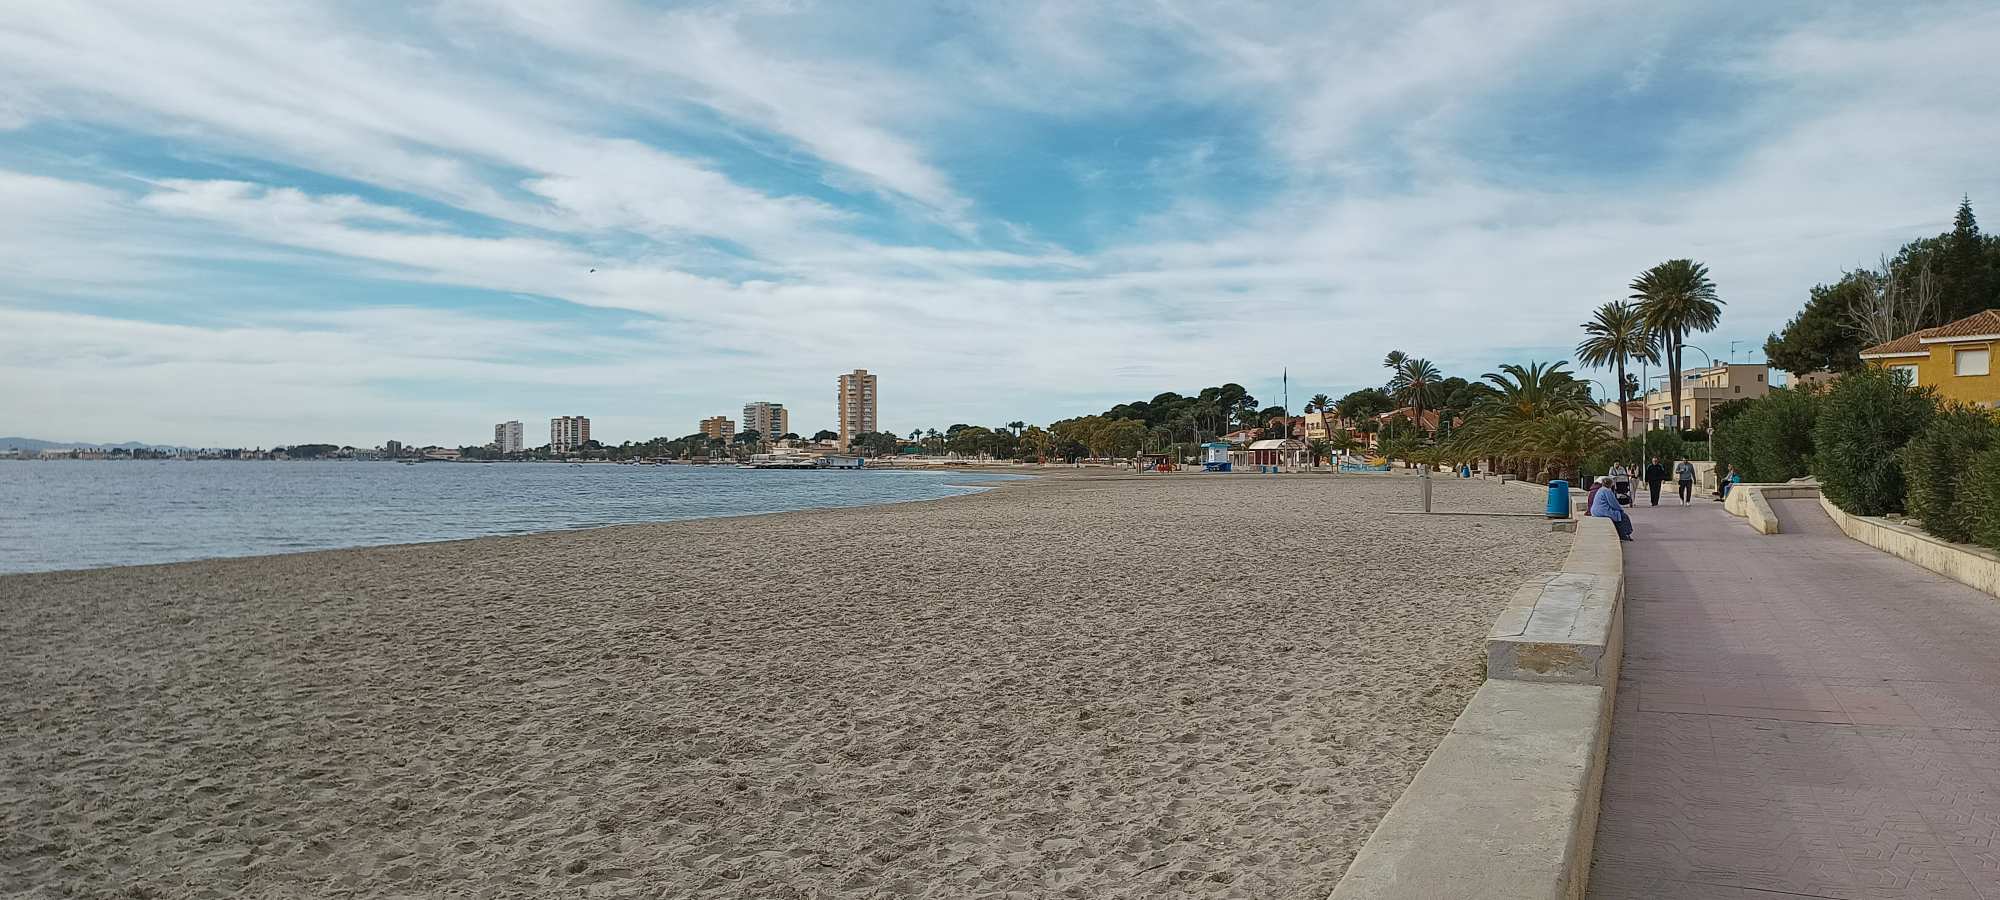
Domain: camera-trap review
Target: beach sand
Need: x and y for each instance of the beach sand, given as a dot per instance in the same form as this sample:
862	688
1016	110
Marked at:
1069	687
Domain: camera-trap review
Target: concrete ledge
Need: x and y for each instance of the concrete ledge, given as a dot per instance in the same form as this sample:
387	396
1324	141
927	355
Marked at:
1555	629
1753	502
1506	807
1964	563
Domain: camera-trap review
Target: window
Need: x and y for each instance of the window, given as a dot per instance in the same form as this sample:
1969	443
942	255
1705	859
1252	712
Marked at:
1971	362
1908	374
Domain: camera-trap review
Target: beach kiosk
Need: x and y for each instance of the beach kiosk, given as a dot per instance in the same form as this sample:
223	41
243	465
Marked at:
1277	454
1215	456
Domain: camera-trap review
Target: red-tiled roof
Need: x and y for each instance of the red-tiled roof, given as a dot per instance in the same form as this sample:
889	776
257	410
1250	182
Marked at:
1983	322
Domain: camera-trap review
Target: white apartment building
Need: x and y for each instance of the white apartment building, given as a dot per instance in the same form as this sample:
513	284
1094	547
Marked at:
568	433
856	404
767	418
509	437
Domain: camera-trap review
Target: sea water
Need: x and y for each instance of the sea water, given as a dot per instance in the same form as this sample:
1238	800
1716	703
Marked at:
74	514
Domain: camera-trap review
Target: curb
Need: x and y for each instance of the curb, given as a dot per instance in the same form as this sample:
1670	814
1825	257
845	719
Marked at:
1975	567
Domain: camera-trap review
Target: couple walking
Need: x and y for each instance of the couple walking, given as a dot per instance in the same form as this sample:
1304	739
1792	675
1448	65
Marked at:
1656	475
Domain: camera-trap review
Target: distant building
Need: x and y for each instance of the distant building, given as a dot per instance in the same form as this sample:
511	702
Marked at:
855	402
1955	359
1701	390
393	449
509	437
767	418
568	433
718	428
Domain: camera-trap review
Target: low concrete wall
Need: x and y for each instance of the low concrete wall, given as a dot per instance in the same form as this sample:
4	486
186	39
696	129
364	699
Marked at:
1974	566
1753	502
1506	807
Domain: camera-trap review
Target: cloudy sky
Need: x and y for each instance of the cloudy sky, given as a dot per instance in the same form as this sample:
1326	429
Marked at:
265	223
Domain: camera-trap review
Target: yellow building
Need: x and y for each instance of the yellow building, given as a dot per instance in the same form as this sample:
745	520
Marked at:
718	428
1702	390
1956	358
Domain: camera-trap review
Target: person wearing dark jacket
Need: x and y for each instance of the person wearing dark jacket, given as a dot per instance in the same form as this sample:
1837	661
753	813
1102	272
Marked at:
1656	475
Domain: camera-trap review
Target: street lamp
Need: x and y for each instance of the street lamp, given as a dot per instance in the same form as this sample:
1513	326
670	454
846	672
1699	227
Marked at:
1708	420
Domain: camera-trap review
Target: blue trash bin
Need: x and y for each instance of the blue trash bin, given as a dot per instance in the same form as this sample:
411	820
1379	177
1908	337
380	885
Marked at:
1558	499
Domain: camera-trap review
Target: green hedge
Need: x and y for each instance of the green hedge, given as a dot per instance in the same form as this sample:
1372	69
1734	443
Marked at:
1982	494
1864	420
1769	439
1937	463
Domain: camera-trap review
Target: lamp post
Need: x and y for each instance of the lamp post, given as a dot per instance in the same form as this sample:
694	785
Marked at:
1709	420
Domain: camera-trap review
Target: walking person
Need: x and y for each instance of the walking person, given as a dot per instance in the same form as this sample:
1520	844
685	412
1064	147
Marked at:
1684	474
1605	503
1656	475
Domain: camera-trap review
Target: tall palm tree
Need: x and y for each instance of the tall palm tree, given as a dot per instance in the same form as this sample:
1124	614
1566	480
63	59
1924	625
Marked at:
1617	335
1676	297
1415	382
1319	403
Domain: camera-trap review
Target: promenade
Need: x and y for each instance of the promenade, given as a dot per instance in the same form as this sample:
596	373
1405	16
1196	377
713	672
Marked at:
1799	715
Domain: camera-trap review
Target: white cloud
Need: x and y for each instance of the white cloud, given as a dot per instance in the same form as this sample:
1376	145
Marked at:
1390	224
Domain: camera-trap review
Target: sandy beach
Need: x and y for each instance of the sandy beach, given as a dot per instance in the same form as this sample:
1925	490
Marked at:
1067	687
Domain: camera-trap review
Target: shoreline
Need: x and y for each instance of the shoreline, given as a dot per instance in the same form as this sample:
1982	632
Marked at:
1088	686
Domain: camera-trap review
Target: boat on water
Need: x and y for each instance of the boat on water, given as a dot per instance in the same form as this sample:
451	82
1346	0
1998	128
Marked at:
793	459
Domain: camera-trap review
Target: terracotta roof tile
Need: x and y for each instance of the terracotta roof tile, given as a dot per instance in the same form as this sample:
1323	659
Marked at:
1983	322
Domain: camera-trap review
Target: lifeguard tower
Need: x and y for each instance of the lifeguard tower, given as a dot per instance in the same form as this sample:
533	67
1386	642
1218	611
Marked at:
1215	456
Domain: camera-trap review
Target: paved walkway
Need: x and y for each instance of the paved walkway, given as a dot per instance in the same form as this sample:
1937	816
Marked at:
1800	715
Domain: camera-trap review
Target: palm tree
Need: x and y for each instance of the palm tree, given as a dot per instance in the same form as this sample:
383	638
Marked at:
1394	363
1416	380
1676	297
1319	403
1617	335
1016	426
1518	401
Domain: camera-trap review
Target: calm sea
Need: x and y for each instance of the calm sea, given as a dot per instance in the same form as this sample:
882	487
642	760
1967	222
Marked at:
73	514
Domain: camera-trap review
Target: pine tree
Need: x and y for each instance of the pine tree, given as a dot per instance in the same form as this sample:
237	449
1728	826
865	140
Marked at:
1965	284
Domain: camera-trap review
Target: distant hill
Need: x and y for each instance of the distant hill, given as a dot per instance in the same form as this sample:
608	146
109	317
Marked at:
28	444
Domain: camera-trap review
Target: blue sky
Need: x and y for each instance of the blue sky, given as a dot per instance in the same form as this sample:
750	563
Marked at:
251	223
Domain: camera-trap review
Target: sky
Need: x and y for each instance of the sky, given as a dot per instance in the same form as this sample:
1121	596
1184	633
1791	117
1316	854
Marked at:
260	223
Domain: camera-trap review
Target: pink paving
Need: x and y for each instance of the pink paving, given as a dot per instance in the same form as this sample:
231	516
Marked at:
1799	715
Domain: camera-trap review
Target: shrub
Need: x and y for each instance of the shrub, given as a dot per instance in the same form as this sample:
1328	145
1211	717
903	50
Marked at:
1641	449
1937	464
1982	495
1863	421
1770	439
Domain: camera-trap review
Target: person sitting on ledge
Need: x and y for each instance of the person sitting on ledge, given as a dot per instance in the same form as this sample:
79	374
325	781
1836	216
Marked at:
1605	503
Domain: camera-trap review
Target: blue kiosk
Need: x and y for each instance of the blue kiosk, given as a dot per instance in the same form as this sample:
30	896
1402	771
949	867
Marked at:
1215	456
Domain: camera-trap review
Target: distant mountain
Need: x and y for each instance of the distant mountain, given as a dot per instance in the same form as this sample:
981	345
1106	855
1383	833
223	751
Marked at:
28	444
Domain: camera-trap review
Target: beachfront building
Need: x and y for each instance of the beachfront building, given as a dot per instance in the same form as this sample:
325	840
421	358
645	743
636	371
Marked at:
718	428
1955	359
1634	418
509	437
1702	390
568	433
855	401
767	418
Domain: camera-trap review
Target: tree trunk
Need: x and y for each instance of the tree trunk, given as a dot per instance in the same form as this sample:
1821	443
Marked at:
1674	376
1624	421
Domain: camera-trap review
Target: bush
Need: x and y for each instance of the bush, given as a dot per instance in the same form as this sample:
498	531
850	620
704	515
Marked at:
1867	417
1769	439
1982	495
1640	450
1938	463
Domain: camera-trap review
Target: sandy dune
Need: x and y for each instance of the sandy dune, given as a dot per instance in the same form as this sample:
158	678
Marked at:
1073	687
